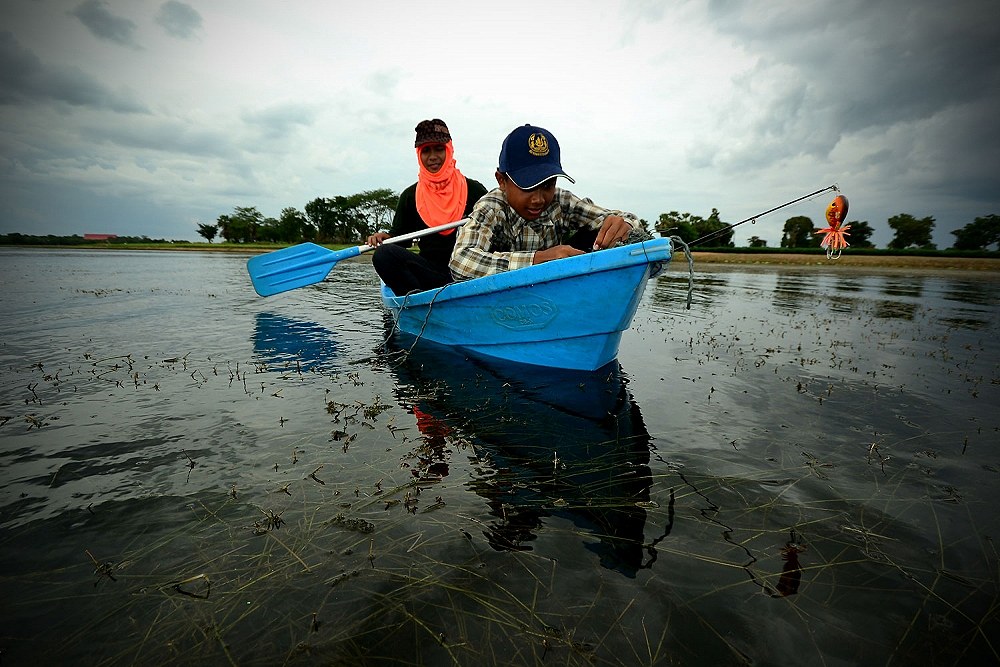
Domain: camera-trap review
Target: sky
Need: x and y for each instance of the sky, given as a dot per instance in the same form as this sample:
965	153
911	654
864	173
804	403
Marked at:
148	117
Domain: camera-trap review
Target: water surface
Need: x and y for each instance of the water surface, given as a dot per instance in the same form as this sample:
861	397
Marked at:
801	468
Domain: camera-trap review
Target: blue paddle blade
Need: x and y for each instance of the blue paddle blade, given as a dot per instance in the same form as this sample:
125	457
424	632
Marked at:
293	267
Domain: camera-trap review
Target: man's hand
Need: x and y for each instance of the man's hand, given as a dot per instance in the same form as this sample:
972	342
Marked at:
614	229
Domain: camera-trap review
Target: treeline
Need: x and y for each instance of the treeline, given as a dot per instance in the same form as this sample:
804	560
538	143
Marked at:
76	239
351	219
800	232
325	220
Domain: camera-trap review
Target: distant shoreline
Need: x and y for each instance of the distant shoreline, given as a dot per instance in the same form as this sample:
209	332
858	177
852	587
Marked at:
879	261
846	260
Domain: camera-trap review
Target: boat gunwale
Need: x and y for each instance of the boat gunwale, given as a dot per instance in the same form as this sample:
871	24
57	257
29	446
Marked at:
653	250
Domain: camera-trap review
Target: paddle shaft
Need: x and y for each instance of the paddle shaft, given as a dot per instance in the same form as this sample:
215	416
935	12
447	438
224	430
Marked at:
416	234
308	263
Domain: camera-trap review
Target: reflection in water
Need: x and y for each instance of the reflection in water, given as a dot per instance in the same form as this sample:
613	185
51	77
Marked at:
895	310
967	319
974	292
279	340
672	289
791	571
848	284
840	304
794	291
548	445
906	286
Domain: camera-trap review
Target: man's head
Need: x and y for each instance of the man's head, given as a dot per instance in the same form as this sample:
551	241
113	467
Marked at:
530	156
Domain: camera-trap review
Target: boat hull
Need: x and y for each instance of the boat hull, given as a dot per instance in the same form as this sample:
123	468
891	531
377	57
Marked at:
568	313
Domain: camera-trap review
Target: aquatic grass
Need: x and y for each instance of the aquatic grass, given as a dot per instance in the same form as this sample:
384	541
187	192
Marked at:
408	596
336	540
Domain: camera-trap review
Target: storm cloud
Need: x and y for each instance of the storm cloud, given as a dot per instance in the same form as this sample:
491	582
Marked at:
184	111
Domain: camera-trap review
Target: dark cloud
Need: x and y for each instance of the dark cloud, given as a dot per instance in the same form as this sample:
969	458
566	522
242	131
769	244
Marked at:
98	19
917	82
167	137
25	78
178	19
279	121
870	66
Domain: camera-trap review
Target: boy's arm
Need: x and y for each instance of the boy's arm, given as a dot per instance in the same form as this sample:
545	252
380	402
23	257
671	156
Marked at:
612	225
473	255
582	212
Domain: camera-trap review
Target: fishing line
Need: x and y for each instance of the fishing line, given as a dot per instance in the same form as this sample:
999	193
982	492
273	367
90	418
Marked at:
753	218
675	241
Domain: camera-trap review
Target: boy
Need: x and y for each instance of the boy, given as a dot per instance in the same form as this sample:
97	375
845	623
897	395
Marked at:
528	220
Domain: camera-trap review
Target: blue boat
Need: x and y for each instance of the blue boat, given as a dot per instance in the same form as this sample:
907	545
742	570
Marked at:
568	313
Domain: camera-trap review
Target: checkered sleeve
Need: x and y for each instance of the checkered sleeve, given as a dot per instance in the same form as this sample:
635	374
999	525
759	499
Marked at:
486	226
581	212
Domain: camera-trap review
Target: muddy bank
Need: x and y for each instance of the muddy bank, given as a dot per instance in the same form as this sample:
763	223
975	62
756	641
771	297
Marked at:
848	260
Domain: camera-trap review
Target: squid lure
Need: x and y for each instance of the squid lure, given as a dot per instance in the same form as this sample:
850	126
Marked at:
833	239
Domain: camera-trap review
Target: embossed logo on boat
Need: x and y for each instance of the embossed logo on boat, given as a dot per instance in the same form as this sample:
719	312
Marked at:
534	313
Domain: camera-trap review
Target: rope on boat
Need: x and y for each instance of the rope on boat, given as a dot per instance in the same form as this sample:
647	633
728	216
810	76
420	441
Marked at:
395	325
384	354
430	307
690	261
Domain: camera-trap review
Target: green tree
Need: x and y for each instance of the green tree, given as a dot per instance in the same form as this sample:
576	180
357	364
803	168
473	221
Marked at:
692	228
334	219
223	224
242	225
799	232
911	232
208	231
678	224
979	234
291	227
859	234
714	231
294	226
268	230
373	211
757	242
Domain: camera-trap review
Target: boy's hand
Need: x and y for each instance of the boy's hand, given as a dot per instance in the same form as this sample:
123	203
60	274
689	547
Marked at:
555	252
614	229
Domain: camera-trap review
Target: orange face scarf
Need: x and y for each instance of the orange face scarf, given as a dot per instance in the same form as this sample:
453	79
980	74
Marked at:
441	196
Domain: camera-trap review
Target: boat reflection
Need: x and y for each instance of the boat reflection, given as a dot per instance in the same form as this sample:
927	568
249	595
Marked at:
545	445
283	341
548	445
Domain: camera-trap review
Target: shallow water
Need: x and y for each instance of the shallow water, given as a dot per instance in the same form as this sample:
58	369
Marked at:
801	468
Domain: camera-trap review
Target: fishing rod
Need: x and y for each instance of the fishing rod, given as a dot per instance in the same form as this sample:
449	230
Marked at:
753	219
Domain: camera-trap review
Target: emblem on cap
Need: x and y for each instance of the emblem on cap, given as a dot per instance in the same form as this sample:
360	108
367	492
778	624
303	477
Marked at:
538	145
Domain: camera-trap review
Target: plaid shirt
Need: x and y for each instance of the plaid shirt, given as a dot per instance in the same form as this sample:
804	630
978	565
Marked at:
496	239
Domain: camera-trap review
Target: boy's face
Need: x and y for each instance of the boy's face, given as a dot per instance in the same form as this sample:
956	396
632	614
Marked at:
529	204
433	156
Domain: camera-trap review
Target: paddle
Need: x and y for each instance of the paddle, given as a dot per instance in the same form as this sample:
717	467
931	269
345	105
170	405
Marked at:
308	263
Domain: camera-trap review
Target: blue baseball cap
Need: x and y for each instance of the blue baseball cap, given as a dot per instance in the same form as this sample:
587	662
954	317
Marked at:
530	156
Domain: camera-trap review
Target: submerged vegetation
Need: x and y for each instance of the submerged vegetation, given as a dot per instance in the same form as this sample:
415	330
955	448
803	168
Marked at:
800	468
